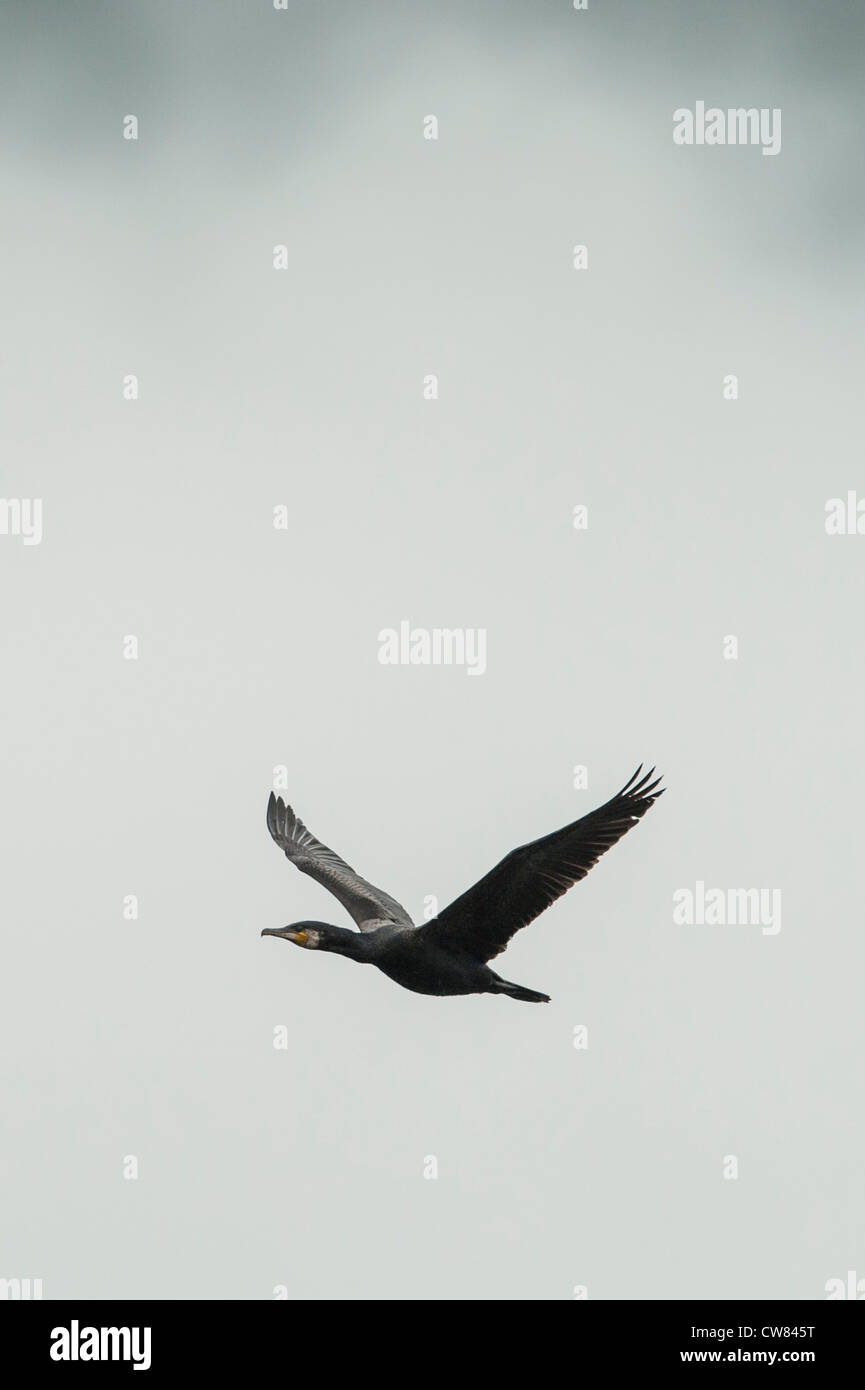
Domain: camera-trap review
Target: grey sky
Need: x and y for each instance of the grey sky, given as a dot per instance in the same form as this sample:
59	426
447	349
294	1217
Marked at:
557	1167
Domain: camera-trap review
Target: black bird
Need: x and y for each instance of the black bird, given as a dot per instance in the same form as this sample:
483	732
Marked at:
449	954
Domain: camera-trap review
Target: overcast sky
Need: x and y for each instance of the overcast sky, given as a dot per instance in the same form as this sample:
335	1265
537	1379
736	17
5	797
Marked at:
605	1167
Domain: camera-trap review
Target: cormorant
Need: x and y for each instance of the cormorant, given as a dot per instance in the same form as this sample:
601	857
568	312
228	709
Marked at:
449	954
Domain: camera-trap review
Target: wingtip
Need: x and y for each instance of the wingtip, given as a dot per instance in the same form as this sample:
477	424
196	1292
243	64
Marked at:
640	788
273	808
632	782
653	789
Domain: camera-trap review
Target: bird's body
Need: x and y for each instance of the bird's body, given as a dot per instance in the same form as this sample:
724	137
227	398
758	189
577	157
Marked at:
449	954
427	968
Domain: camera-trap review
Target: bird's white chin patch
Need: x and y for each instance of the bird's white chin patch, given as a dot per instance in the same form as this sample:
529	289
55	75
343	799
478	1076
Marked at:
309	939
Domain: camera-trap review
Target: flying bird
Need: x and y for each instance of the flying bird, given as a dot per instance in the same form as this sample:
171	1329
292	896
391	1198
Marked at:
449	954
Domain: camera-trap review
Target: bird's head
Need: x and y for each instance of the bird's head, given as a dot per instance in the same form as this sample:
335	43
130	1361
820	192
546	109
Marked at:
307	934
316	936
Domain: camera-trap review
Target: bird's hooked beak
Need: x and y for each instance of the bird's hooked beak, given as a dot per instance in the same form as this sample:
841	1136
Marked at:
288	934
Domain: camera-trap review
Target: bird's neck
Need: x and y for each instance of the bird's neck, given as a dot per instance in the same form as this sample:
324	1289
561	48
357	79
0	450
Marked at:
347	943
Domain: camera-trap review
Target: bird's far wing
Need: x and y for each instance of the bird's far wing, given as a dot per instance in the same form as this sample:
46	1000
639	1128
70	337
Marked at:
367	905
483	920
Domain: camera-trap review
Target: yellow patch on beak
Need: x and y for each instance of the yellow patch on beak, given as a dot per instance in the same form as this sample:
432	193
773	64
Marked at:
299	938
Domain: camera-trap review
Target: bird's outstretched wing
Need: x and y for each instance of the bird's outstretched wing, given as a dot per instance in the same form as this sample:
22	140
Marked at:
367	905
483	920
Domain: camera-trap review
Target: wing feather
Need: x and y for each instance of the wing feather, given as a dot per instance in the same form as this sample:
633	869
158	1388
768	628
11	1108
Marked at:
484	918
368	906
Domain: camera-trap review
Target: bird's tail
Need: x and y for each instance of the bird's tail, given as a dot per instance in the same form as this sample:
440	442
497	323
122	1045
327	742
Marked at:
531	996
